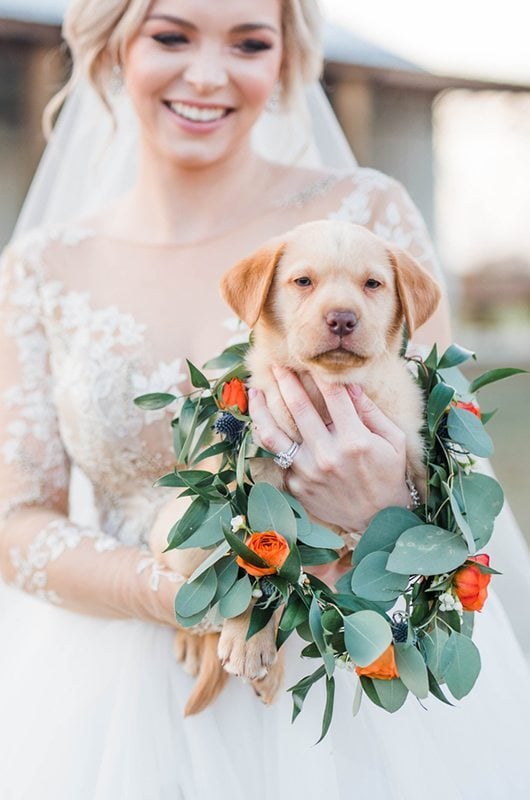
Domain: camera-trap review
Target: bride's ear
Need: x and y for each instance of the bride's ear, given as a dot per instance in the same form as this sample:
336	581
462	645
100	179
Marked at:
246	285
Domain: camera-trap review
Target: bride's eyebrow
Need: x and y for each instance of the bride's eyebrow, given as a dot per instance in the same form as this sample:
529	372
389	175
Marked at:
184	23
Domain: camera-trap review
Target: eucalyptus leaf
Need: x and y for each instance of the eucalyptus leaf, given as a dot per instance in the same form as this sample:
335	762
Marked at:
319	537
366	636
466	429
227	571
188	477
427	550
494	375
369	689
438	402
210	531
194	597
268	510
434	642
460	665
357	699
154	400
461	521
482	498
384	530
259	617
212	559
237	599
230	357
412	669
188	524
373	581
294	613
301	689
311	556
328	709
315	624
392	693
292	566
454	355
190	622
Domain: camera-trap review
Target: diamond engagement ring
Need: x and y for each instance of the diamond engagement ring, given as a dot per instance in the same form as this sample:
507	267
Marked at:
286	457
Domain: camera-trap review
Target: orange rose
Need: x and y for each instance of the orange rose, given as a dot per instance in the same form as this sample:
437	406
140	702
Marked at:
473	407
471	585
234	394
383	667
271	547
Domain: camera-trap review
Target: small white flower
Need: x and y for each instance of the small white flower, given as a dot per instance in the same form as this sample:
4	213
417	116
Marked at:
257	593
238	523
302	579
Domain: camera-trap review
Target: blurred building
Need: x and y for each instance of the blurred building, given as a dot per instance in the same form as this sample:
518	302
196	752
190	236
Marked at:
384	103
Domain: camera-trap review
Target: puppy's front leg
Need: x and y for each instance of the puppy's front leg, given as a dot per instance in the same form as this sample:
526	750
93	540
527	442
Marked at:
247	658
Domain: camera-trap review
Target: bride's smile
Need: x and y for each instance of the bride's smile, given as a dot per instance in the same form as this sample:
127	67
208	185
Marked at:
200	74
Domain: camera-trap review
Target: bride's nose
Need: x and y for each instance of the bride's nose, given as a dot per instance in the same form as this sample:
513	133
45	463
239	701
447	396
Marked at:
206	71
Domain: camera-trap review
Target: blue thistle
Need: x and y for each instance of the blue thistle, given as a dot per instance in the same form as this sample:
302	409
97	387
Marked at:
400	631
228	426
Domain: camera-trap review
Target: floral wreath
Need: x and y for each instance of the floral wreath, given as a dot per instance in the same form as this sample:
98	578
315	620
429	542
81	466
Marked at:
402	617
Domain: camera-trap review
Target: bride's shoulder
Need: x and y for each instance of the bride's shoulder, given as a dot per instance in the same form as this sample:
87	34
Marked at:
333	192
36	244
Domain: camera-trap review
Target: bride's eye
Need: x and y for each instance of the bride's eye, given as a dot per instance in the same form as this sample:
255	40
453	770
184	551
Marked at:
170	39
253	45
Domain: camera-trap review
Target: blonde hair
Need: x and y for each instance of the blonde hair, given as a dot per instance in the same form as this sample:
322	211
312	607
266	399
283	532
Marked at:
98	35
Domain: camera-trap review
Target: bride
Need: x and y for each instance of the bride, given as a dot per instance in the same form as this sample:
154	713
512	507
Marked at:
107	305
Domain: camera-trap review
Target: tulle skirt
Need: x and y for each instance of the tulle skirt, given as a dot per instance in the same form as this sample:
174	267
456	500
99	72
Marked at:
91	709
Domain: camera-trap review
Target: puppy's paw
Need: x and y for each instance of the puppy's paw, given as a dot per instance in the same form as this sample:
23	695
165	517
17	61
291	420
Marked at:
188	650
250	658
266	688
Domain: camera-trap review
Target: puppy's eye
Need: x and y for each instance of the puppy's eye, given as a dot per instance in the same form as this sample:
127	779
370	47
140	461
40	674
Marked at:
371	283
303	281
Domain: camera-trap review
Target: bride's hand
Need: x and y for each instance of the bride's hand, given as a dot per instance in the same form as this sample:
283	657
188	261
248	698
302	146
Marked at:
344	472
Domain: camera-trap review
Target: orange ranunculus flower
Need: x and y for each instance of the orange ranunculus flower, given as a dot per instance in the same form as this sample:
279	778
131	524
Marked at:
234	394
471	585
271	547
473	407
383	667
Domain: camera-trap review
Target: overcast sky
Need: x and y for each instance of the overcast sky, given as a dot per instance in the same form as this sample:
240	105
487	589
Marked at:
476	38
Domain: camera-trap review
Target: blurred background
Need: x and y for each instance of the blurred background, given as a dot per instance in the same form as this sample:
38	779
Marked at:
436	96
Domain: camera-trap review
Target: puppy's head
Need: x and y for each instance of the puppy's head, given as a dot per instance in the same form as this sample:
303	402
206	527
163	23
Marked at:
331	296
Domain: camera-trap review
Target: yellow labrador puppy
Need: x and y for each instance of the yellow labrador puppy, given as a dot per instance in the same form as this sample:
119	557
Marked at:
328	299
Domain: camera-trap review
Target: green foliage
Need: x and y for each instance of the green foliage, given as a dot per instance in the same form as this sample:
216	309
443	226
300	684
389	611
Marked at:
405	559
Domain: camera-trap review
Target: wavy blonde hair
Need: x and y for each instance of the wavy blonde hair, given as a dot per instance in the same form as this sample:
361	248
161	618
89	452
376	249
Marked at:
98	34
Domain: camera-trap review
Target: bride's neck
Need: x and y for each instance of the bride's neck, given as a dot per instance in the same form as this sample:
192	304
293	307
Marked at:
170	202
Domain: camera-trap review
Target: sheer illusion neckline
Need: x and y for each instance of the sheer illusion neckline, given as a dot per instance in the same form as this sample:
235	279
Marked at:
296	199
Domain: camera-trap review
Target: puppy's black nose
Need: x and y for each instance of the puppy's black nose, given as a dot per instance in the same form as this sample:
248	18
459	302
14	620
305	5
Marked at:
341	323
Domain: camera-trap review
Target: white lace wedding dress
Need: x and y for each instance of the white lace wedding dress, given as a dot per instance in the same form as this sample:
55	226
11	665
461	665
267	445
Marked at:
91	708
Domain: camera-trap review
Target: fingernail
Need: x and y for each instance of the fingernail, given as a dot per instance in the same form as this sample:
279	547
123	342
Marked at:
252	393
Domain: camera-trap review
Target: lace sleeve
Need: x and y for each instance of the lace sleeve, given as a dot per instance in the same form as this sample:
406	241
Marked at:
41	550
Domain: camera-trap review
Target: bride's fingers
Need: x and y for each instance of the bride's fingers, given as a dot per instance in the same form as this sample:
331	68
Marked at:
345	418
374	419
307	419
266	431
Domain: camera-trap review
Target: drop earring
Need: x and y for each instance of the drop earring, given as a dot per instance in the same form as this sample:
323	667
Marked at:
116	79
273	103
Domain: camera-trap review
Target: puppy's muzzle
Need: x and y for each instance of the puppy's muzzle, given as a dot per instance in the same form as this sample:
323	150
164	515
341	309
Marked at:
341	323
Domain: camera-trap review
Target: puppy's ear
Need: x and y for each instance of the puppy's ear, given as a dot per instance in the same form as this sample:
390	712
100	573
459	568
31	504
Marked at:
246	285
419	293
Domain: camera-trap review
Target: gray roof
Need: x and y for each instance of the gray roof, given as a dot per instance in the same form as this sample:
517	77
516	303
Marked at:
46	11
345	47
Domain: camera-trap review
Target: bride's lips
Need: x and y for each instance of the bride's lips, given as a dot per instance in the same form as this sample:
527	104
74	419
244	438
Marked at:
197	117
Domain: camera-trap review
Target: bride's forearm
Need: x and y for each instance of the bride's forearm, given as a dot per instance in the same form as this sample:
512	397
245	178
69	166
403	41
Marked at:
83	569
